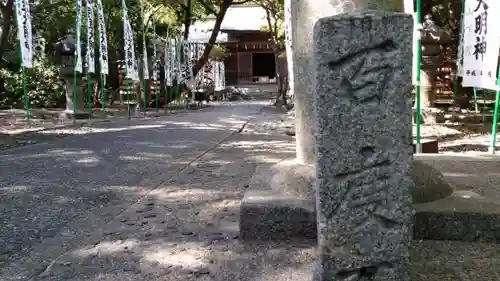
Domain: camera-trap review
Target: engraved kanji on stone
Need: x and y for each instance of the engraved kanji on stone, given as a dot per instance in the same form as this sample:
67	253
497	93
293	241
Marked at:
366	83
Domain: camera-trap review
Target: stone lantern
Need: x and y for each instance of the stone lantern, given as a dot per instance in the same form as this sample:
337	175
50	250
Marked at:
65	56
432	39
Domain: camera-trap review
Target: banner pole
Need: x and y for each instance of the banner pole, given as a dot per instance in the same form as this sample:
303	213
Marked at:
26	100
26	97
155	65
103	95
417	92
492	147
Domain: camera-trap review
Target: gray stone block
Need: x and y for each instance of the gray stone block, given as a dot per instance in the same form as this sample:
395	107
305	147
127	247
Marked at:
430	184
279	203
463	216
364	145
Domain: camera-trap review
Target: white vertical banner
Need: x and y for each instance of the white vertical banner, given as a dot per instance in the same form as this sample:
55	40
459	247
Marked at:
128	39
178	64
156	74
90	55
481	43
145	69
289	42
103	41
460	51
78	47
24	32
216	70
166	63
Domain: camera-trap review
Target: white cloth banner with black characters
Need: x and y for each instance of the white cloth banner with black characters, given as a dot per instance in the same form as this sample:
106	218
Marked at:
78	47
130	60
90	54
24	32
481	43
103	41
166	66
145	60
156	74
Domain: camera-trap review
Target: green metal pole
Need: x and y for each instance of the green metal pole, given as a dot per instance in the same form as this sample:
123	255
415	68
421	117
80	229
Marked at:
146	92
26	97
417	94
75	89
89	95
474	90
103	96
495	117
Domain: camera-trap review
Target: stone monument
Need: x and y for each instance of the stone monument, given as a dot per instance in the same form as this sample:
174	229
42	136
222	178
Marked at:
362	104
65	56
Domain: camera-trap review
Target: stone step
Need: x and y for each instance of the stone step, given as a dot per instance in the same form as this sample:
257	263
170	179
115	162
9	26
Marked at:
429	261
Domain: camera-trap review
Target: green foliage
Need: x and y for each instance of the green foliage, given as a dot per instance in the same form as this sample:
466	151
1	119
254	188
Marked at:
275	17
219	53
45	89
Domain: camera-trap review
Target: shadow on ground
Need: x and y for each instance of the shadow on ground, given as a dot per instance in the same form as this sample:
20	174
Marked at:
130	203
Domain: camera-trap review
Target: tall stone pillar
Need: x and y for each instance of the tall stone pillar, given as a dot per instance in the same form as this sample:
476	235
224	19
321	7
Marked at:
304	14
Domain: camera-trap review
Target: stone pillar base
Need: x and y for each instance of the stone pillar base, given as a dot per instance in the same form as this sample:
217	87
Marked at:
279	203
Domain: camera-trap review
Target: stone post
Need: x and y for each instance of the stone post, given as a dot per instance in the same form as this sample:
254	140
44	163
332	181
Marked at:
362	103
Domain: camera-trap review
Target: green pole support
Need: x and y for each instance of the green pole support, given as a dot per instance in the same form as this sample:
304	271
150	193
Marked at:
89	95
75	88
145	96
26	97
103	96
474	90
492	147
417	92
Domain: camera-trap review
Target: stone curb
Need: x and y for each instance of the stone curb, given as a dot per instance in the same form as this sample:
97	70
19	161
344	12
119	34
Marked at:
270	216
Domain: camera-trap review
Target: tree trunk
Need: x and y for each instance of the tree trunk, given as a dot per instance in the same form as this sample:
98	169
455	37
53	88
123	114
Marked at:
281	98
187	19
213	37
7	22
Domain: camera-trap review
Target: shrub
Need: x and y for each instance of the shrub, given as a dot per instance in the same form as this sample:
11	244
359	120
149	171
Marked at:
45	88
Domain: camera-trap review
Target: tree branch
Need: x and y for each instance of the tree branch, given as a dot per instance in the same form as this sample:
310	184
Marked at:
207	7
150	18
241	2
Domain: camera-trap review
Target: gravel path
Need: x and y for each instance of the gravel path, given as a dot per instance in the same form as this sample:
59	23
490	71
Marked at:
187	228
59	194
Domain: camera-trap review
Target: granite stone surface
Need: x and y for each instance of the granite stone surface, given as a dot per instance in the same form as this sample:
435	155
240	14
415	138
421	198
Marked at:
362	104
279	203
